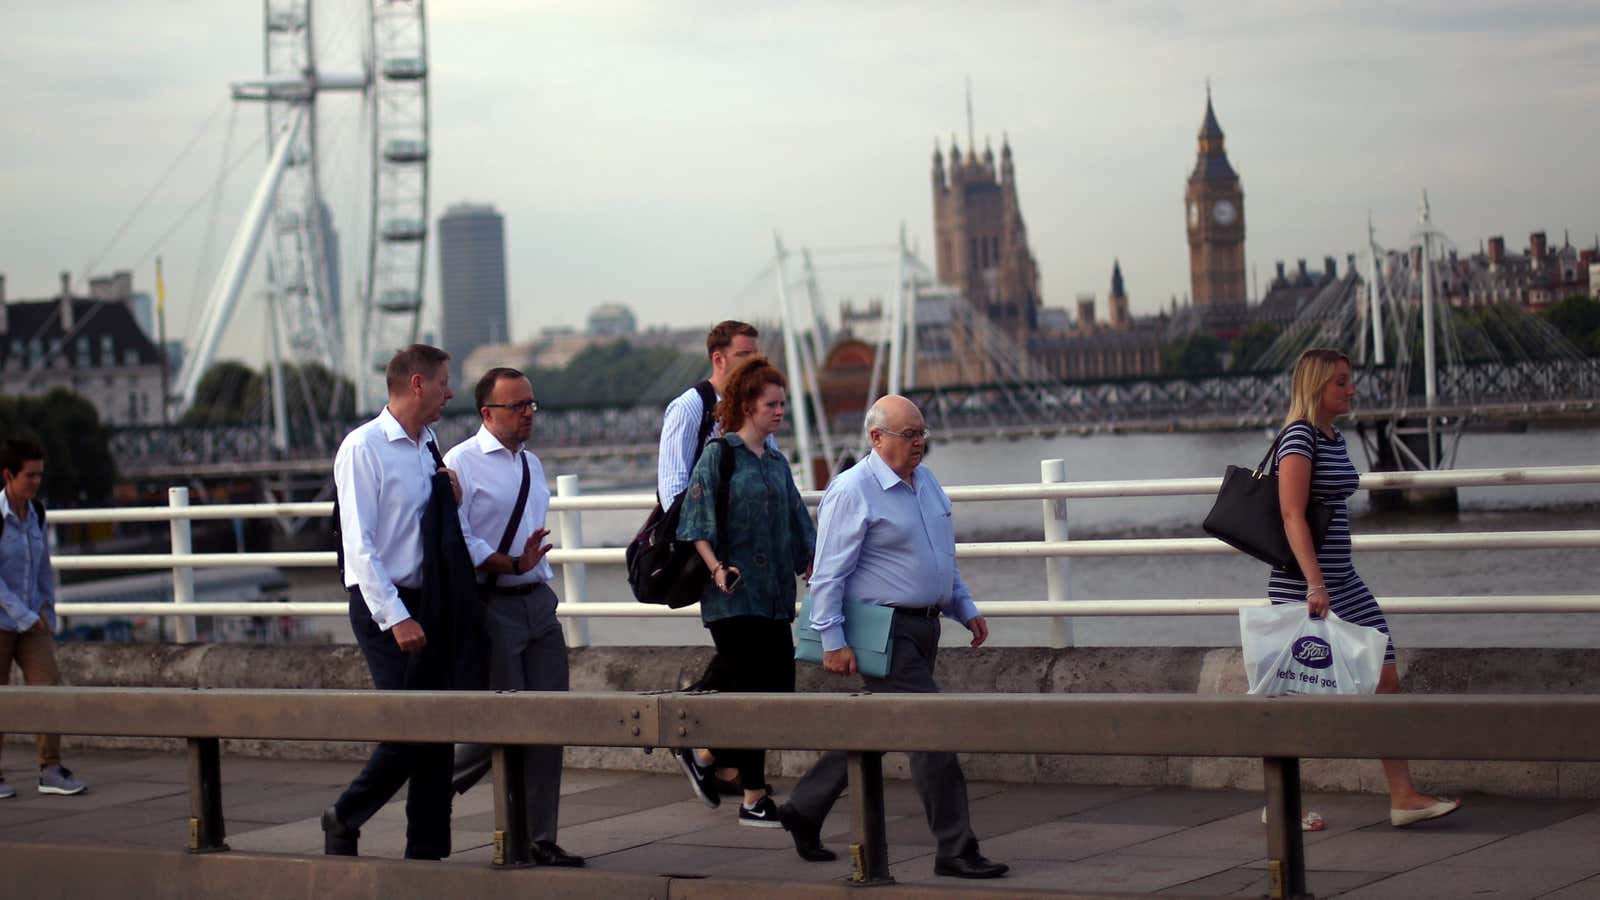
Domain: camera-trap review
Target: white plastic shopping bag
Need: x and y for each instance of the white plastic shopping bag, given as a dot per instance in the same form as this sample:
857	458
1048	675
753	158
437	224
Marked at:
1288	652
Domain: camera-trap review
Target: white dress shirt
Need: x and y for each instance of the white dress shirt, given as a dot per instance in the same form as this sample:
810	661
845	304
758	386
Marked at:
384	479
490	476
884	542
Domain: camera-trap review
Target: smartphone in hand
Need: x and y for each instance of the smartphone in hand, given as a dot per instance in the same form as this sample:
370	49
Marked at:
731	581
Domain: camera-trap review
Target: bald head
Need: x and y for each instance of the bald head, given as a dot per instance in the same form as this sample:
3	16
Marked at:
894	426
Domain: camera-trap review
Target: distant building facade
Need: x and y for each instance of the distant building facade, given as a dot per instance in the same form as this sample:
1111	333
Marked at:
612	320
1537	277
1120	347
92	346
981	241
472	284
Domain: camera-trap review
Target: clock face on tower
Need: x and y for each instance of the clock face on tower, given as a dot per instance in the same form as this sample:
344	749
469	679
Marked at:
1224	212
1194	214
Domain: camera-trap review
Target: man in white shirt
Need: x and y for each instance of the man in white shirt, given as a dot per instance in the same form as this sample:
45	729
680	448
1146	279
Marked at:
527	651
383	474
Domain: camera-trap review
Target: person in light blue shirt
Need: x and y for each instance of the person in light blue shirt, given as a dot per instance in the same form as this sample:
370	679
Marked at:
885	537
28	599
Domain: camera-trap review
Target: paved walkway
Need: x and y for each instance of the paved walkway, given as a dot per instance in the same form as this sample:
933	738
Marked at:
1062	837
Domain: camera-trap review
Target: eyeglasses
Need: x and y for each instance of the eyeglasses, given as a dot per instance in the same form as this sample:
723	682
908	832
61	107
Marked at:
520	407
922	435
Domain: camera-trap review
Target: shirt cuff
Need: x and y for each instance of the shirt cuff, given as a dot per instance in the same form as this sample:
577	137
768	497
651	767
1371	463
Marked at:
963	610
390	614
833	638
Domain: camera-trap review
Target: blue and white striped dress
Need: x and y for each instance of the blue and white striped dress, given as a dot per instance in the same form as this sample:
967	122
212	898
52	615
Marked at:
1334	479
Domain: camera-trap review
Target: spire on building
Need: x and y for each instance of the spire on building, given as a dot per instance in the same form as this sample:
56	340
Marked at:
1117	289
1212	164
1209	129
972	141
938	164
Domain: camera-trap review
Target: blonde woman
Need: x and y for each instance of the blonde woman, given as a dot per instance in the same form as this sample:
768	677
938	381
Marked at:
1323	387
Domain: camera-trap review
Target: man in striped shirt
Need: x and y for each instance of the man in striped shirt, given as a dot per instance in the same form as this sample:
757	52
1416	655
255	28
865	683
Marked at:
682	430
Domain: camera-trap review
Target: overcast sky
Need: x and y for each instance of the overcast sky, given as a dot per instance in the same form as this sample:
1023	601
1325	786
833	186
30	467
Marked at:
645	153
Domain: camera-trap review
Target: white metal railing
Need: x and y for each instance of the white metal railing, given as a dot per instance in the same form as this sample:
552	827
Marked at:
1055	551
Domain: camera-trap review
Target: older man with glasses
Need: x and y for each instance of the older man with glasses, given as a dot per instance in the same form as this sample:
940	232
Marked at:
885	538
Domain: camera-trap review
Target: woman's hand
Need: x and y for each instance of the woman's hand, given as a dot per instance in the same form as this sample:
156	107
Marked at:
722	575
1317	600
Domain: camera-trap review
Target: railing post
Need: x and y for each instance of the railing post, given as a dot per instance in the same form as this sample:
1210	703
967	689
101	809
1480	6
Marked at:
1056	568
182	576
206	827
511	837
1286	851
869	855
574	575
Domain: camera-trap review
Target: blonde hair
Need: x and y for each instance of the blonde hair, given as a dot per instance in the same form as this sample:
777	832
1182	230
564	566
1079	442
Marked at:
1312	372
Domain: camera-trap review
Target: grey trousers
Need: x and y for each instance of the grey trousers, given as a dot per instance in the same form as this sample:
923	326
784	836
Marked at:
914	647
527	652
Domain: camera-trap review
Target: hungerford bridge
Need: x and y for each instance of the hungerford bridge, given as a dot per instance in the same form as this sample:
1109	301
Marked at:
601	438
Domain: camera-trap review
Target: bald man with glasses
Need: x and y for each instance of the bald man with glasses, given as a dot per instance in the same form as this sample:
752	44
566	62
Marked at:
885	538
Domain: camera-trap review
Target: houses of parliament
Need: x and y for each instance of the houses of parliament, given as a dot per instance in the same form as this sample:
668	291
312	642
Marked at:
982	251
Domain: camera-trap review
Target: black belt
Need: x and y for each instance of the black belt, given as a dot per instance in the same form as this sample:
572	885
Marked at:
518	590
917	612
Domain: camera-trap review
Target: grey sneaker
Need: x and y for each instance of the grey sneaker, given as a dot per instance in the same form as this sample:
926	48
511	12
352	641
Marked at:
59	780
6	790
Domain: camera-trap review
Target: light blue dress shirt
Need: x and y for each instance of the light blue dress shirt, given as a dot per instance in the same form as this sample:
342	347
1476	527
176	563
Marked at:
884	542
27	583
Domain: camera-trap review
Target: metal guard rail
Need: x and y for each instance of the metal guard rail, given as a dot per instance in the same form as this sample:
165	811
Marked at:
1279	731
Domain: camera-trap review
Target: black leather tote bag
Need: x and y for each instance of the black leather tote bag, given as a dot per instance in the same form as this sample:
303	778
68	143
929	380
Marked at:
1246	515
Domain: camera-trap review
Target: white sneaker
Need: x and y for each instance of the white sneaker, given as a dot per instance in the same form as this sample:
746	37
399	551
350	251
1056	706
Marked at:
6	790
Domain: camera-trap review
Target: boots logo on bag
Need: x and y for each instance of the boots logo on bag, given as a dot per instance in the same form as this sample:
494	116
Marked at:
1313	652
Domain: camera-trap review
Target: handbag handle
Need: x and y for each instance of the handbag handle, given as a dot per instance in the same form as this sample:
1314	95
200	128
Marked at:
1272	451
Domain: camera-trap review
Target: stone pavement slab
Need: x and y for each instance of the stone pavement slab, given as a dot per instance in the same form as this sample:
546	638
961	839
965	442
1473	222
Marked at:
1056	837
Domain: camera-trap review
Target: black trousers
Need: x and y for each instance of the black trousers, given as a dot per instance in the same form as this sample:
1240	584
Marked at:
426	767
755	655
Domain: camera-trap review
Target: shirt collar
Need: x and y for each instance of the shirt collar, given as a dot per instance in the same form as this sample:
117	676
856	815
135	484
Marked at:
734	440
488	443
885	476
392	429
5	500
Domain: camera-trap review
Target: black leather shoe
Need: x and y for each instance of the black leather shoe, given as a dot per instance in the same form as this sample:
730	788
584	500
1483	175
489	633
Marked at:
969	865
807	835
338	839
546	853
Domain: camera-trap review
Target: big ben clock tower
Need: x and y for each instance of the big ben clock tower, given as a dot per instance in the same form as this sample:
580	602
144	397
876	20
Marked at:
1214	210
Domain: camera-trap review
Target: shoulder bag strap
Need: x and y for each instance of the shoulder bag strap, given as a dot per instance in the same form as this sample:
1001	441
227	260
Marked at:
724	488
515	520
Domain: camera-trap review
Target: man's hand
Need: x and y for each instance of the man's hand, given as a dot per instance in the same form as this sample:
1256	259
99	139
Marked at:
39	626
979	629
534	550
840	662
408	634
455	483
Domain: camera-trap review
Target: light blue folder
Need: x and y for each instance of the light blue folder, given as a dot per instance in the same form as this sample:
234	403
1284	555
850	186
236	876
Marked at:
866	630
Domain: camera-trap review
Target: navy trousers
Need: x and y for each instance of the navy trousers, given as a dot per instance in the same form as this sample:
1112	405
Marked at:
425	768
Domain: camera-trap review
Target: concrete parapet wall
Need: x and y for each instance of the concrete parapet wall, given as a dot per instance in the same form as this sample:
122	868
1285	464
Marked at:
990	670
